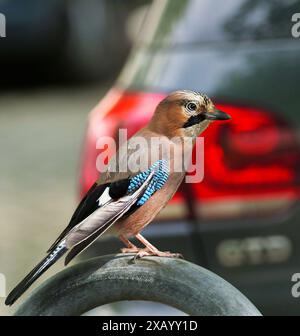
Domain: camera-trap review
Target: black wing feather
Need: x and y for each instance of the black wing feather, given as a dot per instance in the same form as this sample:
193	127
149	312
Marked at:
118	189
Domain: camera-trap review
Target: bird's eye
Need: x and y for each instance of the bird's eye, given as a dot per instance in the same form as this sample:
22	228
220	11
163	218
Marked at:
192	107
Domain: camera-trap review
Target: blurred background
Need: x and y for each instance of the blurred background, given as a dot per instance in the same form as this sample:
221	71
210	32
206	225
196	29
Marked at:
57	61
60	57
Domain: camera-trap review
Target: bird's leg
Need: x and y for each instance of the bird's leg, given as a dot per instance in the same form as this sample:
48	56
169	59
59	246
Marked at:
131	248
151	250
147	244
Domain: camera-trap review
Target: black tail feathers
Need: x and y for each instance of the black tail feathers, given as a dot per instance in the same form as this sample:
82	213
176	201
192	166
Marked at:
42	267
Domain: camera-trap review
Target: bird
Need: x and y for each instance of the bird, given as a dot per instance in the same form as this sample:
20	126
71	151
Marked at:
122	202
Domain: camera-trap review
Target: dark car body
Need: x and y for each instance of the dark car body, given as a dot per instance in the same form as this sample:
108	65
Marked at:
242	221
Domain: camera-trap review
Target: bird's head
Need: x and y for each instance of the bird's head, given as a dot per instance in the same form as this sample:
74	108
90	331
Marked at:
185	113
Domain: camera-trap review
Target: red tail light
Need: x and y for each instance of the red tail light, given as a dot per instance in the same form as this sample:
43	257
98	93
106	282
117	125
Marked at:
250	162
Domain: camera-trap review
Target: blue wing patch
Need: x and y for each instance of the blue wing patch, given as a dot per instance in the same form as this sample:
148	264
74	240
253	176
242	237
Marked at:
160	177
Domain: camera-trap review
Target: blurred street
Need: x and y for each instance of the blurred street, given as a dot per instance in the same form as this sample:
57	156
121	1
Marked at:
41	135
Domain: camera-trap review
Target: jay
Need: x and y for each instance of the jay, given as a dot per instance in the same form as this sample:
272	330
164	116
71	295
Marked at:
123	202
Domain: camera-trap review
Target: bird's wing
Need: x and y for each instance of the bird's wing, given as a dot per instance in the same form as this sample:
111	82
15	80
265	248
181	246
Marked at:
86	232
95	198
87	206
113	178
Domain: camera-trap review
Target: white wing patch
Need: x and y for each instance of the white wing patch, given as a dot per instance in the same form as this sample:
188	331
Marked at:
104	198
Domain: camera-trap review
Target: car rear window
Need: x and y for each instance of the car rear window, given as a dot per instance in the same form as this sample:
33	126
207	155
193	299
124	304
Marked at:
194	21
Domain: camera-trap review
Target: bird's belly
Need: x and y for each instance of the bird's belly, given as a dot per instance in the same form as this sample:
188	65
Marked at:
135	222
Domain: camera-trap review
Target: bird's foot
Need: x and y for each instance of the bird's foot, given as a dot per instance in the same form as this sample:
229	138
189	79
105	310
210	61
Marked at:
156	253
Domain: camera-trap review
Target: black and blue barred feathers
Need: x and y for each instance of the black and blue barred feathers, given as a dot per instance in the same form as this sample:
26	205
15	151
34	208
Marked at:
159	178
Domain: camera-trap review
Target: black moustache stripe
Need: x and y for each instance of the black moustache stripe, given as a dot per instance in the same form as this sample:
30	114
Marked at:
195	119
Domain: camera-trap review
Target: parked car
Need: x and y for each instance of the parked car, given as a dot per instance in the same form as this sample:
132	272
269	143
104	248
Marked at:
242	220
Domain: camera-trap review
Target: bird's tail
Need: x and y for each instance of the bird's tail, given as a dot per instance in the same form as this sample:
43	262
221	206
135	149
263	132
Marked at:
39	269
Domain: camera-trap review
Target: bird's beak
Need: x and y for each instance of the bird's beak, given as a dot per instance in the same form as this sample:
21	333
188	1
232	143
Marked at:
217	115
212	116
